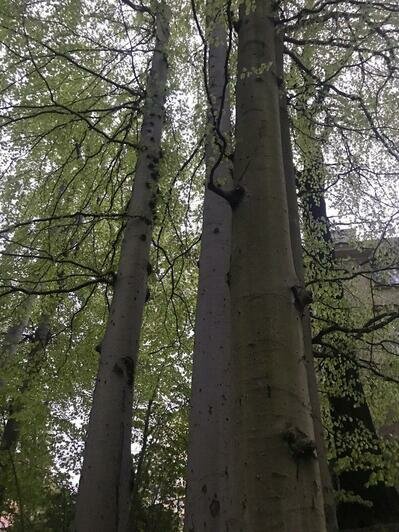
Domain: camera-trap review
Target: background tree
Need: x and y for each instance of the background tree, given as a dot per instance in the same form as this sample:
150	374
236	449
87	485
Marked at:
344	386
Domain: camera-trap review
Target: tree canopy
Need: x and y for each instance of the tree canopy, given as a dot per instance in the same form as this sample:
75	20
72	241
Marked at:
75	90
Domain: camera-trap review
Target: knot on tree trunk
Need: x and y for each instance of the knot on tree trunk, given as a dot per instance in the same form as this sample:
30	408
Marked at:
302	297
301	446
233	197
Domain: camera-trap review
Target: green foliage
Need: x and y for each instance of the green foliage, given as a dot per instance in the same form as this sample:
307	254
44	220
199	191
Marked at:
72	85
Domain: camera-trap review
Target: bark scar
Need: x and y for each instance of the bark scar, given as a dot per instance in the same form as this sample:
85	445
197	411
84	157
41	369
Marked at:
302	297
301	446
129	367
214	507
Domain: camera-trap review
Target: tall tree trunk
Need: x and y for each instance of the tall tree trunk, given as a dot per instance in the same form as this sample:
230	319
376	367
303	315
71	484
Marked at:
207	499
276	474
104	489
296	243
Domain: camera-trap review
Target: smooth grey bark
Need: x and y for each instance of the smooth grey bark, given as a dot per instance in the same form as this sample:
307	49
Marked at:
104	489
296	243
276	478
207	504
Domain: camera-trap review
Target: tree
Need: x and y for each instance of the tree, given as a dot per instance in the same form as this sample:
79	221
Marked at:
73	92
352	423
103	498
12	428
273	440
296	243
208	493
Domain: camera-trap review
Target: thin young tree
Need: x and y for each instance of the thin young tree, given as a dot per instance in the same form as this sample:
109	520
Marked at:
9	436
12	428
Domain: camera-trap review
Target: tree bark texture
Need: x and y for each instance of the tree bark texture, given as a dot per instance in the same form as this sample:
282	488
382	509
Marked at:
104	489
296	242
276	477
207	499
